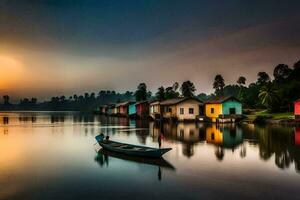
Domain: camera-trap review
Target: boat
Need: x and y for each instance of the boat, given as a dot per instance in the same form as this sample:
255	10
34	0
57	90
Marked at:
132	150
160	162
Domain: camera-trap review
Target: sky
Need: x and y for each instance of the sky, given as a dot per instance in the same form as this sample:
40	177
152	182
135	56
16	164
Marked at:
54	47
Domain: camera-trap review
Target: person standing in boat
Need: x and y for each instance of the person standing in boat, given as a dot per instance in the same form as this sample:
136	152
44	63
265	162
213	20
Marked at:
160	137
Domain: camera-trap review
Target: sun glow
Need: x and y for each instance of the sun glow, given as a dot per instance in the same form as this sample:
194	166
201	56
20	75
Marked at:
10	71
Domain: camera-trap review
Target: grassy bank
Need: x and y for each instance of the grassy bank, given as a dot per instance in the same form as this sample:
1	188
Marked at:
264	115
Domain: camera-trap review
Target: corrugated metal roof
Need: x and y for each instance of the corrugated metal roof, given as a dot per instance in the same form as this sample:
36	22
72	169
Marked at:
178	100
221	99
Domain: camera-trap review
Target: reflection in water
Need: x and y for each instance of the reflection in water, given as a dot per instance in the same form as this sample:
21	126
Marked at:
189	134
103	159
55	148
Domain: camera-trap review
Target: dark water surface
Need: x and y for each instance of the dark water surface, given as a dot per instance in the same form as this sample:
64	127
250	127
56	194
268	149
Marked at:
47	155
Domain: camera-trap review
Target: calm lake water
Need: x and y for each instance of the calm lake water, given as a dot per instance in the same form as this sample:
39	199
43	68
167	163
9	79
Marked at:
52	155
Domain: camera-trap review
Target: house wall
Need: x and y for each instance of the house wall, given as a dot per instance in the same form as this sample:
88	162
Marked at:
214	135
231	104
123	110
142	109
132	109
154	108
297	108
169	111
186	105
217	111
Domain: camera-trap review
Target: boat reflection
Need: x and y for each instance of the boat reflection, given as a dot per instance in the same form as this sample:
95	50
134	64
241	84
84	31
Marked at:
102	158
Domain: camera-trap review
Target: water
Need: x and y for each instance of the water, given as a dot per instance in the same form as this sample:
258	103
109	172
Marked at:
54	156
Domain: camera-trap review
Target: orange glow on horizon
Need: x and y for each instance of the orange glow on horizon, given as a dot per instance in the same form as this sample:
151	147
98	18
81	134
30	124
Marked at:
11	70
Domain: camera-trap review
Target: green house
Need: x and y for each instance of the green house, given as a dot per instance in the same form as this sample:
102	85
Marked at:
231	106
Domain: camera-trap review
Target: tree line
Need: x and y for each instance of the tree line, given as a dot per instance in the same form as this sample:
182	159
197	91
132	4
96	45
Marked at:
276	95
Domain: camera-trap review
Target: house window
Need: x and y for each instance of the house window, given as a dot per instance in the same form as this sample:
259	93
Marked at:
191	110
212	110
170	110
166	109
212	136
181	111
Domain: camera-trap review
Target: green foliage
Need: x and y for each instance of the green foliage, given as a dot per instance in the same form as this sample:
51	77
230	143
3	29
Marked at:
269	96
188	89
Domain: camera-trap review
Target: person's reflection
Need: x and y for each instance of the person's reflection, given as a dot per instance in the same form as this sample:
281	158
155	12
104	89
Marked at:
5	131
243	152
102	159
159	174
219	153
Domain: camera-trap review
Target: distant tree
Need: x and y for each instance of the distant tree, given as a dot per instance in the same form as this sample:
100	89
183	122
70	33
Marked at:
93	96
188	89
6	100
219	84
86	96
297	65
75	97
80	98
160	94
202	96
33	100
149	95
175	86
141	92
263	78
241	80
62	98
281	72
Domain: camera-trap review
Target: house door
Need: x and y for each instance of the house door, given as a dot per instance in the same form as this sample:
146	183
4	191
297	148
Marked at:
232	111
201	110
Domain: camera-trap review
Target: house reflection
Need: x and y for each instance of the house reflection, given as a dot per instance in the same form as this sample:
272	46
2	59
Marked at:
188	134
225	136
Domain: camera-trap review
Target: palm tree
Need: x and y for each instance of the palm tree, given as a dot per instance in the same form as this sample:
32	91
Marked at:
268	96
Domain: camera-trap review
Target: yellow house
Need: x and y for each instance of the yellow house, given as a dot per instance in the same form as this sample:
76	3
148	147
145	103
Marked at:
213	110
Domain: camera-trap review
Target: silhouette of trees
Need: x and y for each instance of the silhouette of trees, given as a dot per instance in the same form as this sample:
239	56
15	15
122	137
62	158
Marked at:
219	84
6	100
281	72
241	81
141	92
263	78
188	89
160	94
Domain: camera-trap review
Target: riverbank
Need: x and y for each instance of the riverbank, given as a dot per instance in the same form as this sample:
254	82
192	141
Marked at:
263	116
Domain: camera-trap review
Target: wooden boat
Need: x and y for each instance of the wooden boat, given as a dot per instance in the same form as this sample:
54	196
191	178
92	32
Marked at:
132	150
160	162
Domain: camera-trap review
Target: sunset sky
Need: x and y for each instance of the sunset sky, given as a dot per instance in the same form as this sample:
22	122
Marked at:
55	47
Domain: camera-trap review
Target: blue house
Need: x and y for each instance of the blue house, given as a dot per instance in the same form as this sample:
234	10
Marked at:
131	109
